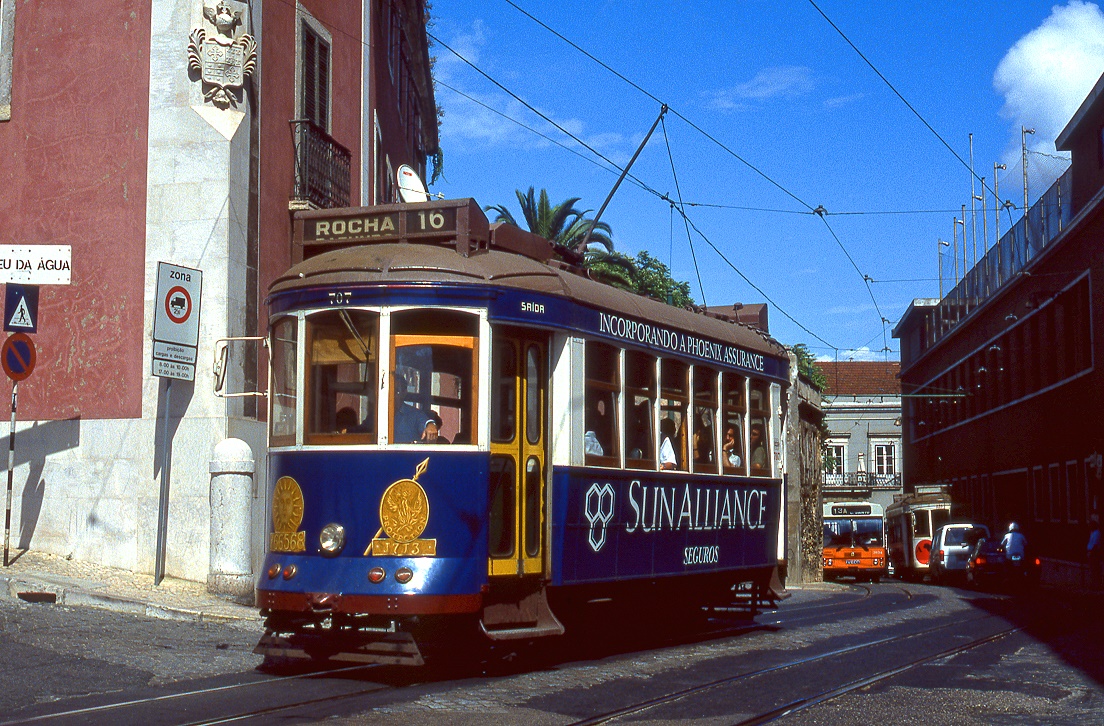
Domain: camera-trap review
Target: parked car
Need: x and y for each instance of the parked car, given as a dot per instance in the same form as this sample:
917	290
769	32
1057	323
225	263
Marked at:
952	547
987	564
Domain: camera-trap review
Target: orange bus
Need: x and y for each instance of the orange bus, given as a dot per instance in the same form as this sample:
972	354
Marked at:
854	540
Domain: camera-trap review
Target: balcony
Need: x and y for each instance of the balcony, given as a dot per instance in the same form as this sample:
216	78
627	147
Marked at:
322	169
862	480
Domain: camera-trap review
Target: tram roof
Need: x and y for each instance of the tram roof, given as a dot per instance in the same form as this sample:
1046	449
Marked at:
516	263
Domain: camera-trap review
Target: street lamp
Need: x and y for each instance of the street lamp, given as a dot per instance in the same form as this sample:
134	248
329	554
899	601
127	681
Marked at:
940	247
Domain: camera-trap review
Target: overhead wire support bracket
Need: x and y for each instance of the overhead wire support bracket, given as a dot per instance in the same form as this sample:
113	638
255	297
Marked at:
581	249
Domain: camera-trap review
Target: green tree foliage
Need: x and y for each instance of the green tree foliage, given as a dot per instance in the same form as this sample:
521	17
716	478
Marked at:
807	367
566	226
654	278
643	274
562	224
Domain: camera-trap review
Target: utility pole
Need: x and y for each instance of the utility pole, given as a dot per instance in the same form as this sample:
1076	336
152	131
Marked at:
996	221
973	196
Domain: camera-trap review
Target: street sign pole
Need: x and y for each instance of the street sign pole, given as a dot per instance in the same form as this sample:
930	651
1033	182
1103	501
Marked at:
11	473
163	504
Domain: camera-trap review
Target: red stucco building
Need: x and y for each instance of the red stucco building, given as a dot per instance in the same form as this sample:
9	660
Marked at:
118	142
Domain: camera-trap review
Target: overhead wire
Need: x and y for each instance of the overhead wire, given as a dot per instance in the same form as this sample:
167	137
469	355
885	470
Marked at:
897	93
645	186
678	190
818	210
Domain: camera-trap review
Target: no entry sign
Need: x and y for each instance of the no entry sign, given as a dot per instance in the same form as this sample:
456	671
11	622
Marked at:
18	356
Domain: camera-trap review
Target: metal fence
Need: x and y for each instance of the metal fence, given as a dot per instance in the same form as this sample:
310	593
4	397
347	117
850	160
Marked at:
1044	221
853	479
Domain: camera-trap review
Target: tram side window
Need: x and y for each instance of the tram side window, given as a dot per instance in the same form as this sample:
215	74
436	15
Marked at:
640	397
733	416
603	386
705	420
434	356
342	359
758	431
921	523
673	403
285	388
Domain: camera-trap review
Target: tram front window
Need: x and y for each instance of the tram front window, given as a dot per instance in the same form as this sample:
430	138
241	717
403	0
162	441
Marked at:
434	354
342	360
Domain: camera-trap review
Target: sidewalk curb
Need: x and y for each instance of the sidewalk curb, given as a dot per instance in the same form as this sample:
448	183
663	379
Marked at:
12	586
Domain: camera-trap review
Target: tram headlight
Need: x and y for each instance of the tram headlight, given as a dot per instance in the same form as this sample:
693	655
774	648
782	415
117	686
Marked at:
332	539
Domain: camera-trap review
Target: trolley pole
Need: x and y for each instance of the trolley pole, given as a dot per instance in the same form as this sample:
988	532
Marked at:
11	473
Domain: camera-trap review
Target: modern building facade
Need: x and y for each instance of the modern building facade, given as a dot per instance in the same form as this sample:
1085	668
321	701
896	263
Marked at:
182	132
1000	376
862	415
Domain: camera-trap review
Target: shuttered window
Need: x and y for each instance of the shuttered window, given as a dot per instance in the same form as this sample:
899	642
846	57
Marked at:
315	103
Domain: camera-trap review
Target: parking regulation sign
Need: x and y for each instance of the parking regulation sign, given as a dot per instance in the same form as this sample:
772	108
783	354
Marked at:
176	321
18	356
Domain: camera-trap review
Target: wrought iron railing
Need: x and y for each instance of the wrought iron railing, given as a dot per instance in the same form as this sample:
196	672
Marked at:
322	168
853	479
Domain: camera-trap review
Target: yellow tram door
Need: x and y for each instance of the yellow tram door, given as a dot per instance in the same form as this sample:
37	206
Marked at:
519	371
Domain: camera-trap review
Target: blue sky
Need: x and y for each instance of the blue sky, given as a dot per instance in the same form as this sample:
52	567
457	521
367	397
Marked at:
801	119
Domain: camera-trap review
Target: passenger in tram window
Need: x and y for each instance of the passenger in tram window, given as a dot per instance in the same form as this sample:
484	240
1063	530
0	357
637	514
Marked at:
731	447
667	460
758	447
591	444
347	420
703	440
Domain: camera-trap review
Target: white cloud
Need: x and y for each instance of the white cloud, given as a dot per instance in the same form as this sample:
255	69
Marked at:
841	101
1046	75
473	123
863	354
777	82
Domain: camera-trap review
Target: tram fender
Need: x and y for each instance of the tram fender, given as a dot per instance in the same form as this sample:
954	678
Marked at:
775	587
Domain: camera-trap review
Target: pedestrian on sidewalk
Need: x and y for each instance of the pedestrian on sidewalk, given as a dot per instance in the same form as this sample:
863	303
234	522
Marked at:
1094	551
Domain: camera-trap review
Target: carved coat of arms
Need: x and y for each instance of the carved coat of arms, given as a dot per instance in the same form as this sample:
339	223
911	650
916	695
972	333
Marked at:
222	61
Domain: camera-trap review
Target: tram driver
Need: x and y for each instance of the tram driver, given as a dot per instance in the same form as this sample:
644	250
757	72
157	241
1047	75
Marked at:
431	430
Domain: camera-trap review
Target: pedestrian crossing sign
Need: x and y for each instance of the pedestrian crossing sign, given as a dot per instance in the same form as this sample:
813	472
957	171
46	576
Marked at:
21	308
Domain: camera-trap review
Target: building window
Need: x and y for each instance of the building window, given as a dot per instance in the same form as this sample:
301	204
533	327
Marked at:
885	464
7	42
835	464
314	73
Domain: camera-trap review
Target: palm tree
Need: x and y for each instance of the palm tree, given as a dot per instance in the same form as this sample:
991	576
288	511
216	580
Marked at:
563	224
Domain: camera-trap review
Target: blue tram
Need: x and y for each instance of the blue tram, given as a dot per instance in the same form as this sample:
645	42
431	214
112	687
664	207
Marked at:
468	434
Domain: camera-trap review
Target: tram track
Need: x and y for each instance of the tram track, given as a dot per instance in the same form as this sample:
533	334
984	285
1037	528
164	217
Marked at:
121	706
124	710
806	702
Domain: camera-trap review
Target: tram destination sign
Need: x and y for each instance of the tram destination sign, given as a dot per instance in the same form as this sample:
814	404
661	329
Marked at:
850	509
375	225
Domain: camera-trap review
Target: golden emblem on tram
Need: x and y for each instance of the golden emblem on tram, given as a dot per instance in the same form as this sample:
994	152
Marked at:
404	514
287	515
